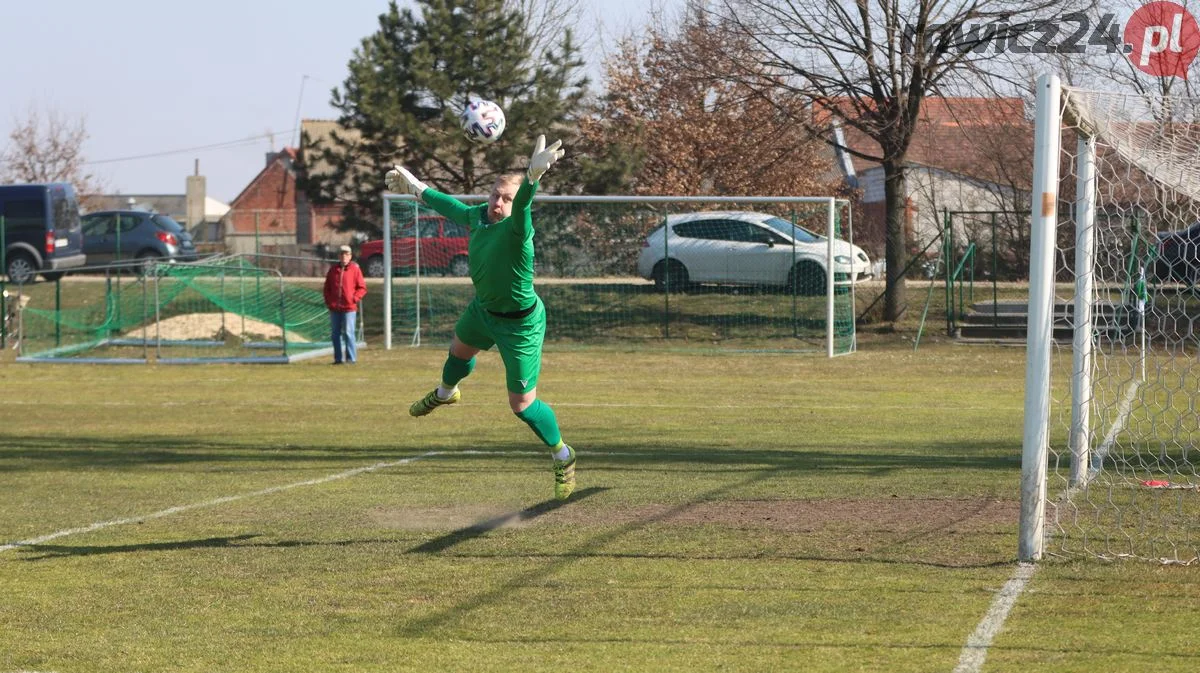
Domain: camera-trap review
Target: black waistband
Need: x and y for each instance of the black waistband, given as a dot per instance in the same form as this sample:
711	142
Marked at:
513	315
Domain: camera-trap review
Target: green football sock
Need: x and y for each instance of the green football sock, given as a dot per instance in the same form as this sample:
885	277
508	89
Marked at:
540	418
455	370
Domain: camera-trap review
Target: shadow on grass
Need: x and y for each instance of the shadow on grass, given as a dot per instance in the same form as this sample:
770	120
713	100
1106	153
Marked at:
53	551
597	546
424	625
67	452
482	528
49	551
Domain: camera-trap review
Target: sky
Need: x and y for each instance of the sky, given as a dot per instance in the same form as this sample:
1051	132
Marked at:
160	84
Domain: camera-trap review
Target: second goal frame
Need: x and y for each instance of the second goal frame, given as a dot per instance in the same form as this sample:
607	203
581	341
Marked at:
836	218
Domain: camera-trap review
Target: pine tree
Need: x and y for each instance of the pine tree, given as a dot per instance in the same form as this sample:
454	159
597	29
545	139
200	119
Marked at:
407	83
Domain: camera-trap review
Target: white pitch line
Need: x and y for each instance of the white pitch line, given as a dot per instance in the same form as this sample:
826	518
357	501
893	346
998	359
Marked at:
1101	452
975	651
1118	425
220	501
916	406
834	407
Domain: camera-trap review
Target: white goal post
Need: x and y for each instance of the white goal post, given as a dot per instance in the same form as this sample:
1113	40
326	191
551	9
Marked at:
1112	383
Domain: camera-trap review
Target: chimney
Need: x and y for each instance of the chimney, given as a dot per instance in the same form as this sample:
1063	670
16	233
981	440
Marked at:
281	155
196	188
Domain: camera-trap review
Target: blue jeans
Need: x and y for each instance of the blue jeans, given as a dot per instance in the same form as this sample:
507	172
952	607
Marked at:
343	336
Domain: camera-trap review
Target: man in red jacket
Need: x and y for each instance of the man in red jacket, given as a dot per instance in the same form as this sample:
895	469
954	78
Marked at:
344	288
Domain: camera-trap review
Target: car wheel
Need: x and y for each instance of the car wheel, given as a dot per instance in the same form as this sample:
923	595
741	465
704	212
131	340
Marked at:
807	278
669	274
459	266
146	261
21	268
375	266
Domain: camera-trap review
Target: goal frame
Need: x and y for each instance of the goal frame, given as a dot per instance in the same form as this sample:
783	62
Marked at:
1054	113
831	203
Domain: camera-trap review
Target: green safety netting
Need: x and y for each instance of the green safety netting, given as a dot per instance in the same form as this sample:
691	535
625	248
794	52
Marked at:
220	309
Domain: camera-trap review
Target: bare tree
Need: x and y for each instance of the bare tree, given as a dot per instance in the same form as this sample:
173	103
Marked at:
45	146
871	63
696	134
546	21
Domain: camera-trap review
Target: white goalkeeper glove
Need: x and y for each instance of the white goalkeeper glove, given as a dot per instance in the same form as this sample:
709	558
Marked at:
400	181
543	158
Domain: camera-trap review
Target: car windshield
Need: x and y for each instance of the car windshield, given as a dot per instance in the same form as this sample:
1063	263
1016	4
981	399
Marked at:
167	224
796	231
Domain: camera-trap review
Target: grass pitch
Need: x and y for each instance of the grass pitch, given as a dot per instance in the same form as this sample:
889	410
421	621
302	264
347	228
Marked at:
735	512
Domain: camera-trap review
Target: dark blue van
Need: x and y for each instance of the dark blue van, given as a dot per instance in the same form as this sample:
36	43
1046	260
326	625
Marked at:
42	233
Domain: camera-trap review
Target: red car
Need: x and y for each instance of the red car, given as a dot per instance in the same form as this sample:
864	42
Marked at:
443	249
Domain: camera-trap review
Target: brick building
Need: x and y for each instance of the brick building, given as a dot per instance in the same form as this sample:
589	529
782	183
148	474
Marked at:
272	215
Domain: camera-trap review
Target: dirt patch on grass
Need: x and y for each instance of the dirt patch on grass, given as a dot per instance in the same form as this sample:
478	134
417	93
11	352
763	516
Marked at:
447	518
895	515
943	532
954	533
214	326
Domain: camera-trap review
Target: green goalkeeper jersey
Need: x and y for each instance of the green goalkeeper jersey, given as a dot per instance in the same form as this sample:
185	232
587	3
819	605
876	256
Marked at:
500	253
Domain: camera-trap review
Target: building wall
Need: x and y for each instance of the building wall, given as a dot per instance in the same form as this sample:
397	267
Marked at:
871	184
250	244
272	208
932	190
929	191
270	201
870	231
324	221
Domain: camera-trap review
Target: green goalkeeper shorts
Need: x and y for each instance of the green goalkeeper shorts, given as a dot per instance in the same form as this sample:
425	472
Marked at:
519	341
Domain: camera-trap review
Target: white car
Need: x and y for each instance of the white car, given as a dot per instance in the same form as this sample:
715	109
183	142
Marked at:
745	248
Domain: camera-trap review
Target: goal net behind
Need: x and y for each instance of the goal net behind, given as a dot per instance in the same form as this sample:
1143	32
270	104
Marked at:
753	273
1113	403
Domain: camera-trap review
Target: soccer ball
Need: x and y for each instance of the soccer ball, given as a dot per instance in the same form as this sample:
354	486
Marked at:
482	121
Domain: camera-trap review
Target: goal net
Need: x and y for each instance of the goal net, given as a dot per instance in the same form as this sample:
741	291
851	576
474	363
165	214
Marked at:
219	310
745	273
1112	401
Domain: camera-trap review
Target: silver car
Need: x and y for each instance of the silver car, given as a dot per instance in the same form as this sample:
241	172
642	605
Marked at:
745	248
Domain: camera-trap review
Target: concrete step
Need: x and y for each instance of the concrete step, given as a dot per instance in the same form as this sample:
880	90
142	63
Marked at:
1007	321
968	341
1008	332
1003	319
1022	308
1101	322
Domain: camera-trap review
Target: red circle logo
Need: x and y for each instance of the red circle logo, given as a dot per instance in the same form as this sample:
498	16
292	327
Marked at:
1163	39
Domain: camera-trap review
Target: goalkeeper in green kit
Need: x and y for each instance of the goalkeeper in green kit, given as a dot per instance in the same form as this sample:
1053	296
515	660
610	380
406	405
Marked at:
505	311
